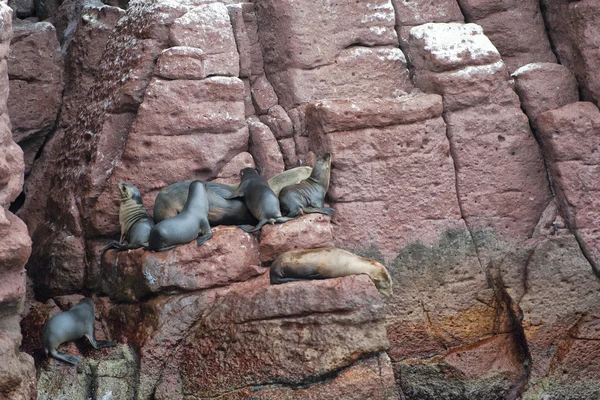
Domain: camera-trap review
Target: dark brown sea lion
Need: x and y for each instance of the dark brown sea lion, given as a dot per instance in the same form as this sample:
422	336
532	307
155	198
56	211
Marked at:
170	201
259	198
308	196
71	325
329	262
135	221
189	224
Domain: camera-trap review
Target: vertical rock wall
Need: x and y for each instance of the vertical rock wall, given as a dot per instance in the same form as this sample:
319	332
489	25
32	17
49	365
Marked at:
17	372
462	158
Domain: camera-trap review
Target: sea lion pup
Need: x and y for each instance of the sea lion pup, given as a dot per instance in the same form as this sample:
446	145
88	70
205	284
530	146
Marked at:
308	195
135	221
189	224
71	325
170	201
329	262
259	198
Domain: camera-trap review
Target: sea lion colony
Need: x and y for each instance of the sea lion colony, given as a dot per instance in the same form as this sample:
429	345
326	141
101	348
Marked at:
185	211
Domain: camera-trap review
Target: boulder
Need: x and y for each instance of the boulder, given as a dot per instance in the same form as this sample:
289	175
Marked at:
570	139
264	149
307	232
544	86
231	255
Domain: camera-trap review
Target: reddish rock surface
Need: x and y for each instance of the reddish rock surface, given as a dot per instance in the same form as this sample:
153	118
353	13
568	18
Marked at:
571	137
489	134
307	232
253	325
35	70
551	274
492	296
17	371
515	27
231	255
264	149
573	29
544	86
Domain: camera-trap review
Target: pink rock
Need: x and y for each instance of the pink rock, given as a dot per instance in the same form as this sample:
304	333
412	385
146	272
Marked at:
500	174
350	76
264	149
368	378
251	25
230	173
307	232
248	105
340	25
263	95
515	28
544	86
14	252
11	165
570	140
437	47
216	37
279	122
35	69
93	27
417	12
572	28
558	297
288	150
231	255
181	62
236	14
327	324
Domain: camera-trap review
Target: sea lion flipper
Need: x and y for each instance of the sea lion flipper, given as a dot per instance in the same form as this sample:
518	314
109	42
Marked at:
249	229
66	357
204	238
281	220
318	210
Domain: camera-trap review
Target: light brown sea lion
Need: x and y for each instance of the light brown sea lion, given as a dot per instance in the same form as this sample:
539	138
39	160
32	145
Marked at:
189	224
328	262
71	325
308	196
259	198
289	177
135	221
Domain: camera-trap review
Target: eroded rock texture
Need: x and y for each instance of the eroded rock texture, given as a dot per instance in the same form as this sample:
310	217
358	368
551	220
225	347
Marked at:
464	141
17	372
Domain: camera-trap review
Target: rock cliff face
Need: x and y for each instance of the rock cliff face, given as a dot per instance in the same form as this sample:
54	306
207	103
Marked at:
464	137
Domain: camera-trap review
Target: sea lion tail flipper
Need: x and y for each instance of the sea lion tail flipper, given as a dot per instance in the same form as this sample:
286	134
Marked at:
281	220
319	210
204	238
286	280
249	229
71	359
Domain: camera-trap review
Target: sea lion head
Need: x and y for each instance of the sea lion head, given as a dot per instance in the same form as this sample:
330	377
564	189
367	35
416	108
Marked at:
88	301
383	280
129	191
248	172
321	172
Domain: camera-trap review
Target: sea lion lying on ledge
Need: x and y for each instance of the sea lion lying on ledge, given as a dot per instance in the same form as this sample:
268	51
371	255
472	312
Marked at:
189	224
71	325
170	200
328	262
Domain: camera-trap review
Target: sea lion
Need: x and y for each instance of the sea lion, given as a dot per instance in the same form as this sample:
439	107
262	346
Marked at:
289	177
308	195
170	201
71	325
135	221
329	262
259	198
189	224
